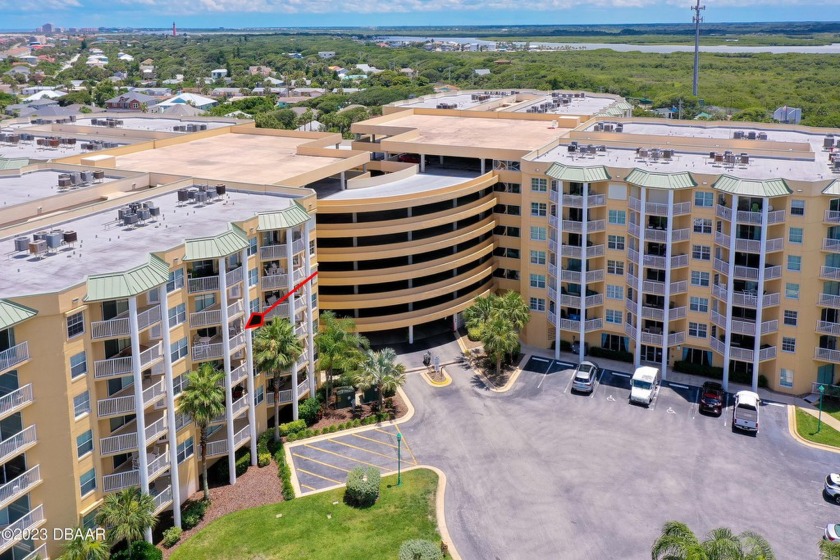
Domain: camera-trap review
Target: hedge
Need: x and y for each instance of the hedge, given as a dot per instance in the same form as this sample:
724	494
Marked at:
292	427
420	549
139	550
309	410
263	454
308	433
717	373
171	536
362	487
193	513
619	355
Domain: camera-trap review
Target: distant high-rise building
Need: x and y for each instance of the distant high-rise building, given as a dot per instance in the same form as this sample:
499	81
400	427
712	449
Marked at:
47	28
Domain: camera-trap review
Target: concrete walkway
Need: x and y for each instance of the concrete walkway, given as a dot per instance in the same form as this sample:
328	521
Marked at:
827	419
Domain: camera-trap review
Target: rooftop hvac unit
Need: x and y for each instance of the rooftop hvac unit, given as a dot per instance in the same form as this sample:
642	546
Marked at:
762	136
619	128
154	211
55	239
828	141
21	244
202	127
144	214
87	176
599	127
70	236
40	236
751	135
745	159
220	189
130	219
38	247
183	195
98	175
65	182
738	135
201	197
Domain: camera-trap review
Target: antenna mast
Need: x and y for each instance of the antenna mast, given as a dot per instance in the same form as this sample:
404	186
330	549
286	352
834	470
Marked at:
697	20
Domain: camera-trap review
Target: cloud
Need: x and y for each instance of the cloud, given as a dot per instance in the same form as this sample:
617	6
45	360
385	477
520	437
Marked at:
40	6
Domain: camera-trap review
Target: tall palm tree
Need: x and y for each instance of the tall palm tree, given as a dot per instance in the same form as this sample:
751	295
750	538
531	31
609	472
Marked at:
477	315
126	515
203	399
829	550
340	347
276	348
499	337
514	308
381	370
85	548
678	542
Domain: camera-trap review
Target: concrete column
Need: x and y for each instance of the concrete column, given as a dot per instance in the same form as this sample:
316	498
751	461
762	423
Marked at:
762	259
583	267
482	166
139	408
170	405
249	360
558	260
730	287
310	314
669	232
343	181
640	271
291	301
422	163
411	334
226	360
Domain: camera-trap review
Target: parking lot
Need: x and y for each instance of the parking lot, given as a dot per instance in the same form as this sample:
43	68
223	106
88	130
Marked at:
324	463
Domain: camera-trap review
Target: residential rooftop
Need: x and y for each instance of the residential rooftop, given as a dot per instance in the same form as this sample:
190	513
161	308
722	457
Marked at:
155	124
460	100
588	104
35	185
104	246
422	182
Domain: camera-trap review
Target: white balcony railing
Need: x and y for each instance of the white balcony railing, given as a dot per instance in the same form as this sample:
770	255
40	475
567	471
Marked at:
14	533
236	342
676	338
830	272
828	327
120	326
829	300
16	400
660	208
768	353
827	355
19	486
120	481
831	245
718	346
235	276
205	318
235	309
115	445
39	553
122	405
155	430
204	284
238	374
163	499
298	246
832	216
274	282
272	252
14	356
120	366
741	354
17	443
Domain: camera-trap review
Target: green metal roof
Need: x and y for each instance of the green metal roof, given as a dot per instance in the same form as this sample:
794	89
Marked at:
13	313
121	285
292	216
752	187
833	187
13	163
660	180
592	174
222	245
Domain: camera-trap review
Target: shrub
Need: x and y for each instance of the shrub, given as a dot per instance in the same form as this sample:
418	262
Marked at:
292	427
333	428
362	487
762	380
193	513
474	334
139	550
263	459
357	422
242	463
419	549
171	536
309	410
285	474
697	369
619	355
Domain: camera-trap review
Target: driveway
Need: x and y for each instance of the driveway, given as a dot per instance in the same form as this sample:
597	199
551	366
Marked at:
540	472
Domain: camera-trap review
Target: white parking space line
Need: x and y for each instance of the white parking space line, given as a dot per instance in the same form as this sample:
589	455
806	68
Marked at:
618	373
569	384
694	400
723	414
597	384
541	380
677	385
652	405
776	404
538	359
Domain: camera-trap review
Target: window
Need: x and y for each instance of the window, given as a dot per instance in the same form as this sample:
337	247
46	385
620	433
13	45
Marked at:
81	404
185	450
699	278
538	208
790	318
702	225
615	292
75	324
614	316
538	281
794	263
788	344
538	185
176	280
177	315
699	304
204	301
260	395
537	257
89	520
87	482
615	242
797	207
84	445
179	349
78	365
701	252
698	330
792	291
704	199
252	246
795	235
618	217
615	267
537	304
786	377
178	384
253	277
537	233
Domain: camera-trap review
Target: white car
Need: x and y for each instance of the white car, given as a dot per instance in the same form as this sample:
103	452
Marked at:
584	380
832	487
832	532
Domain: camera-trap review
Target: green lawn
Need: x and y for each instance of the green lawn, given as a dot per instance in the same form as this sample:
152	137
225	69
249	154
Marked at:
305	531
831	406
806	426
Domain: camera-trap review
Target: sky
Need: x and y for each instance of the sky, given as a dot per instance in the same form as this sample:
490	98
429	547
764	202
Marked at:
29	14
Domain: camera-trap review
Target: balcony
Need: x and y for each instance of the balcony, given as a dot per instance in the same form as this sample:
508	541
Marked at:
827	355
163	499
590	325
656	261
129	476
286	392
831	245
298	246
219	446
746	299
746	217
552	317
660	234
553	221
273	252
829	273
658	314
39	553
576	200
235	276
741	326
832	217
16	400
238	374
718	346
748	272
13	533
239	405
119	326
592	226
829	300
573	300
660	208
121	364
300	330
658	288
630	330
19	486
212	348
14	356
203	284
123	402
124	439
575	251
274	282
576	277
212	315
18	443
827	327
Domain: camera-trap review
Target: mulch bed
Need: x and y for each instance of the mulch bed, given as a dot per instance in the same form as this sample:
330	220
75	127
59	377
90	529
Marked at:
342	415
257	487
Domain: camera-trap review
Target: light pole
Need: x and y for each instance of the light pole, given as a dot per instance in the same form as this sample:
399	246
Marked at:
819	418
399	458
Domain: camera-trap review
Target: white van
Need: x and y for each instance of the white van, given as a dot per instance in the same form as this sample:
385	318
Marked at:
644	384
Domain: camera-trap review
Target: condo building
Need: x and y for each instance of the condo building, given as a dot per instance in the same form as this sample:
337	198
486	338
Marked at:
136	253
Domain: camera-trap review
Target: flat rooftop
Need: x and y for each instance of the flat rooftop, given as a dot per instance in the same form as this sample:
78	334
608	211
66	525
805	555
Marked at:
106	247
149	123
686	130
588	105
230	157
415	184
33	186
33	151
509	134
461	100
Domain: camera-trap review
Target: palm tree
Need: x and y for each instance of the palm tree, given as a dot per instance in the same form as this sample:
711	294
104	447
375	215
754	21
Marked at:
276	348
85	548
203	399
339	346
126	515
381	370
499	337
477	315
514	308
829	550
678	542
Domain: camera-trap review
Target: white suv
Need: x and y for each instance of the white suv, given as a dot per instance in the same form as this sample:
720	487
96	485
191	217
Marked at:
832	487
584	380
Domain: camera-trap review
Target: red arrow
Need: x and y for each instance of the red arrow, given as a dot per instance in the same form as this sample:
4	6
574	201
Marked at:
257	319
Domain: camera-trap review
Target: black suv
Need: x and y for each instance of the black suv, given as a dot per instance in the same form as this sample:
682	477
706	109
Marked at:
711	398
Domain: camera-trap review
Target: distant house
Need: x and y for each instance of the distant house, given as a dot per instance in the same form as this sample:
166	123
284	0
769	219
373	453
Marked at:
263	71
19	71
311	126
29	90
218	73
131	101
295	55
147	71
225	92
326	54
45	94
268	91
482	72
153	91
368	69
350	77
407	71
125	57
181	110
309	92
77	85
29	59
273	81
193	99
